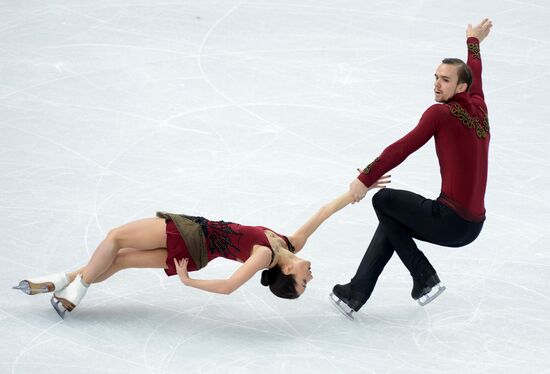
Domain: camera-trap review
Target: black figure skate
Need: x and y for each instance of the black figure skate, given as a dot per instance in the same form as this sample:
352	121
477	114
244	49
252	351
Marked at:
345	300
425	291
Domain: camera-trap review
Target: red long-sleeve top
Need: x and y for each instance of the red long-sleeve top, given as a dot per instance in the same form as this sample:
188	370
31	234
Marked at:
460	128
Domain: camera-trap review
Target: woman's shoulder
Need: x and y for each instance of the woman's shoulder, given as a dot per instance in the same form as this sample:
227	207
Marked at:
262	254
277	239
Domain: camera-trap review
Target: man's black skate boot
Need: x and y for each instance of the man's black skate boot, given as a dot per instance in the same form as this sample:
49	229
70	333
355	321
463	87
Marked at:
343	294
423	286
354	300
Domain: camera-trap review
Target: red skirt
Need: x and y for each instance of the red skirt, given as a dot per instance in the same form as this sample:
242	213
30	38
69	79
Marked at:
176	248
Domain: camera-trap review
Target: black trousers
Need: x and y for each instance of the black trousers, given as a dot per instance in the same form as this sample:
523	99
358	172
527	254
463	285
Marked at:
404	216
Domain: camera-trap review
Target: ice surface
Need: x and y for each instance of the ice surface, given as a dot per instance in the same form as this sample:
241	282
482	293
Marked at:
259	112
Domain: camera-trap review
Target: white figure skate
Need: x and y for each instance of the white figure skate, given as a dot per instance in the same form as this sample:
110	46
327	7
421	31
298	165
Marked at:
68	298
48	283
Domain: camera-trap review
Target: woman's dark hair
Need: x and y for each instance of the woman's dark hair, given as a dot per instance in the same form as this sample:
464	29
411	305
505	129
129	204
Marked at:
464	72
280	284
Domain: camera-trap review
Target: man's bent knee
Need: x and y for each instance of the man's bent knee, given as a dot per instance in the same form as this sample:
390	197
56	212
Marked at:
381	198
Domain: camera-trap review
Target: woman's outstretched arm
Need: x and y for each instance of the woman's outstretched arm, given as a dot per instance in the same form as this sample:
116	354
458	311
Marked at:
259	260
299	238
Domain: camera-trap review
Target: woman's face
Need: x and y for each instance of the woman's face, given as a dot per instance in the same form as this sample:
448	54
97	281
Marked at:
301	269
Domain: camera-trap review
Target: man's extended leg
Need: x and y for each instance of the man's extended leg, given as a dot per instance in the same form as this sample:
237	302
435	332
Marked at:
358	291
404	204
405	215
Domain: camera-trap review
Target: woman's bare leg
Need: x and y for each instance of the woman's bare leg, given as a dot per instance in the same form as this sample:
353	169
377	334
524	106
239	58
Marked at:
142	235
130	258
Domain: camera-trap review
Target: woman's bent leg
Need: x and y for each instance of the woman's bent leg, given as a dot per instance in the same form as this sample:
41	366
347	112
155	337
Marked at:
145	234
128	258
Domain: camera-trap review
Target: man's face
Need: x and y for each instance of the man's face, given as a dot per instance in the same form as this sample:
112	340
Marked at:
446	83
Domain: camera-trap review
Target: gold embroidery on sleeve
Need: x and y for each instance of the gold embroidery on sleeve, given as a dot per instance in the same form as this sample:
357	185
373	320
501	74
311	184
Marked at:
369	166
474	48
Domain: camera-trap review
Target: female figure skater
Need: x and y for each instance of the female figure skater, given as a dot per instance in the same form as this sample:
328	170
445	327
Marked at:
181	244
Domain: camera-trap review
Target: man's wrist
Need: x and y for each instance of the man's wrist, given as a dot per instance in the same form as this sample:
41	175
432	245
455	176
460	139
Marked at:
363	178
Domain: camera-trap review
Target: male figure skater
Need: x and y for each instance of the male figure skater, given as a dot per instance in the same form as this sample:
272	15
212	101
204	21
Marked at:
460	127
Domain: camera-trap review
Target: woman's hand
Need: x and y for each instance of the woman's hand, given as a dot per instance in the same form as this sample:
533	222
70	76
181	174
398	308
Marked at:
181	269
358	190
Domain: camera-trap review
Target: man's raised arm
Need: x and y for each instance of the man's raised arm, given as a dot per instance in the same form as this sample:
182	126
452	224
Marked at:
475	36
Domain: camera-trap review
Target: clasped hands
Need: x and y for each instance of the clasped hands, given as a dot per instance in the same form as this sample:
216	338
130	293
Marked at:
358	190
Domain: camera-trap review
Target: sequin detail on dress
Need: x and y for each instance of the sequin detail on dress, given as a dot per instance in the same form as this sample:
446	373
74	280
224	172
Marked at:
218	234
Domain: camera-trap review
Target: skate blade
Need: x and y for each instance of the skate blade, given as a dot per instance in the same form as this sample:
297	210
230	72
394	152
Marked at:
341	306
34	288
61	306
432	295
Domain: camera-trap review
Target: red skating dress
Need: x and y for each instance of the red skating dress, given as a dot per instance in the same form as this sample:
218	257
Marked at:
222	239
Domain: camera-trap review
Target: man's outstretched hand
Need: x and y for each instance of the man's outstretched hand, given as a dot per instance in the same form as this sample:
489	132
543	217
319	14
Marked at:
358	190
480	31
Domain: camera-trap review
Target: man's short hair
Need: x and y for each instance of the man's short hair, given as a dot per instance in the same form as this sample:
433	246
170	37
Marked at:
464	72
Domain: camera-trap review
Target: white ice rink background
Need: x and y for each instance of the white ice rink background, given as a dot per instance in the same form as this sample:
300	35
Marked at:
259	112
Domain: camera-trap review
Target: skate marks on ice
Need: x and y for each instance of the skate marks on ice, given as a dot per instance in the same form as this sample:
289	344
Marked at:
291	56
157	332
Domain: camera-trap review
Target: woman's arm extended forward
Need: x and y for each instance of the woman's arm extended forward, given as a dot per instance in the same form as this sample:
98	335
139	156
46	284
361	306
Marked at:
299	238
259	260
